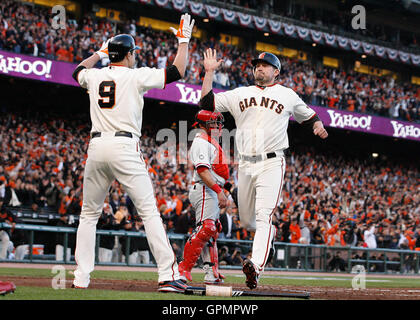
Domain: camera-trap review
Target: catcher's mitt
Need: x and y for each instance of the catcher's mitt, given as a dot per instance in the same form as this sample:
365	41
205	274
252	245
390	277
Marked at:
7	287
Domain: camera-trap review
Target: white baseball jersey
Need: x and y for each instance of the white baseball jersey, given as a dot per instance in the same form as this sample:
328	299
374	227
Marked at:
262	116
116	104
204	153
116	96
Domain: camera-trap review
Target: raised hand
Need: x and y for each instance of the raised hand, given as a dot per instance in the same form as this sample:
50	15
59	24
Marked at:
103	51
210	60
184	31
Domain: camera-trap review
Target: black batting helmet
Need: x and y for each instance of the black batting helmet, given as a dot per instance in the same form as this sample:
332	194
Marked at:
268	58
119	46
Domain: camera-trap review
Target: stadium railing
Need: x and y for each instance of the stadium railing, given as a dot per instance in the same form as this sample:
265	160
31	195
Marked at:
286	257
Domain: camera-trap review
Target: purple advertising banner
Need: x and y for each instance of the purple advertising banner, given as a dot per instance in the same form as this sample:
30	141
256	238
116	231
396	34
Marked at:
37	68
19	65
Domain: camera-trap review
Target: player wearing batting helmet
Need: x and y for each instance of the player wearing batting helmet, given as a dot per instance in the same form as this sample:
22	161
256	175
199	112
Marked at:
261	114
119	46
207	197
116	106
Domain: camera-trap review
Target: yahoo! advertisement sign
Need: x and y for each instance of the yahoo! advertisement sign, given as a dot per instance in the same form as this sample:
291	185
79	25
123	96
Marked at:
369	124
19	65
37	68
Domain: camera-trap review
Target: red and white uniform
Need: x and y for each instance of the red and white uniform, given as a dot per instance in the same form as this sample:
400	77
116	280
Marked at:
206	152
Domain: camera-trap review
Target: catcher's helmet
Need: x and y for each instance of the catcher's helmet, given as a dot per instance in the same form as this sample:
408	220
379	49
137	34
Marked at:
206	118
268	58
119	46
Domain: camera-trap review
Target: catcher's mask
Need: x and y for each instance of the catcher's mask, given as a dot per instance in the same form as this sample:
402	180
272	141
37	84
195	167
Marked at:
211	121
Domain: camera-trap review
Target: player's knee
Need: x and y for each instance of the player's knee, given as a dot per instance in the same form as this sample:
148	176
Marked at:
208	230
263	215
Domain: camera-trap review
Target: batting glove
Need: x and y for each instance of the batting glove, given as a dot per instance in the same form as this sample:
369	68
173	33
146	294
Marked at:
185	29
103	51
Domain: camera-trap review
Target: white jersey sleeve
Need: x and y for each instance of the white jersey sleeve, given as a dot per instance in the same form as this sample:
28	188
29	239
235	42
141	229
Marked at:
200	153
149	78
300	110
83	77
224	101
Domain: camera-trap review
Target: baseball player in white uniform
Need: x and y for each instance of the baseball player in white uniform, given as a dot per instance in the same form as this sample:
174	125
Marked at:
207	197
116	105
261	114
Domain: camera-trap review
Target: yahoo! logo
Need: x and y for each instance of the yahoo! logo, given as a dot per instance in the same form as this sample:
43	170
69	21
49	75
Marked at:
19	65
188	94
349	120
403	131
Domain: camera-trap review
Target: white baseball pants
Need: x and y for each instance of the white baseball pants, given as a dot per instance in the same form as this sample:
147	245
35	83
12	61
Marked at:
110	158
205	202
259	191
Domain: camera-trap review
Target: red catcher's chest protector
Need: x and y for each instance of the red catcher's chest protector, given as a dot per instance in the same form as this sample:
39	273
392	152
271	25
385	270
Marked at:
220	167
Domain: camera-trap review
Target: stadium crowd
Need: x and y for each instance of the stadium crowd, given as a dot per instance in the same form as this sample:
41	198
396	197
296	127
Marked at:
25	29
327	198
336	21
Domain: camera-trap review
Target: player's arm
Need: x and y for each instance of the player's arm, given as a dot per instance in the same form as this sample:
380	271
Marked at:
207	101
183	34
90	62
308	117
208	179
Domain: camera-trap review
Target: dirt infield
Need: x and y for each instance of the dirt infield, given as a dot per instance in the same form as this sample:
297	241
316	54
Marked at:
317	292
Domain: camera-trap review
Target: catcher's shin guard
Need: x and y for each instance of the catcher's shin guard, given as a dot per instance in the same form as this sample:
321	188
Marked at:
214	257
196	243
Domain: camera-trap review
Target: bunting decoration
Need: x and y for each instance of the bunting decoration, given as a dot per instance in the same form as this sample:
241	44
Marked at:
275	26
259	22
367	48
302	32
404	57
342	42
380	51
212	12
355	45
289	29
392	54
415	59
162	3
228	15
329	38
179	4
196	7
316	36
244	19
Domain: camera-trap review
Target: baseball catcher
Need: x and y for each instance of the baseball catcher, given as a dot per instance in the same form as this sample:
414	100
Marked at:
207	197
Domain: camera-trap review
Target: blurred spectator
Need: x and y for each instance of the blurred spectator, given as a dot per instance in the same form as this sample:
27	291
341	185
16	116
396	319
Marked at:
106	243
337	263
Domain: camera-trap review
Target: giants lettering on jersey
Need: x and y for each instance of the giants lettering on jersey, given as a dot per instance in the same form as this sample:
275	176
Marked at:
220	167
264	102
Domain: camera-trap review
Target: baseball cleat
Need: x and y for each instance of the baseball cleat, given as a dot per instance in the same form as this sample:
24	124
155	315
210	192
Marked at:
212	277
77	287
250	273
176	286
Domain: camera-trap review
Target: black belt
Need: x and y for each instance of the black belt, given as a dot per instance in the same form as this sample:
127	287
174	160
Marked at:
117	134
258	157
